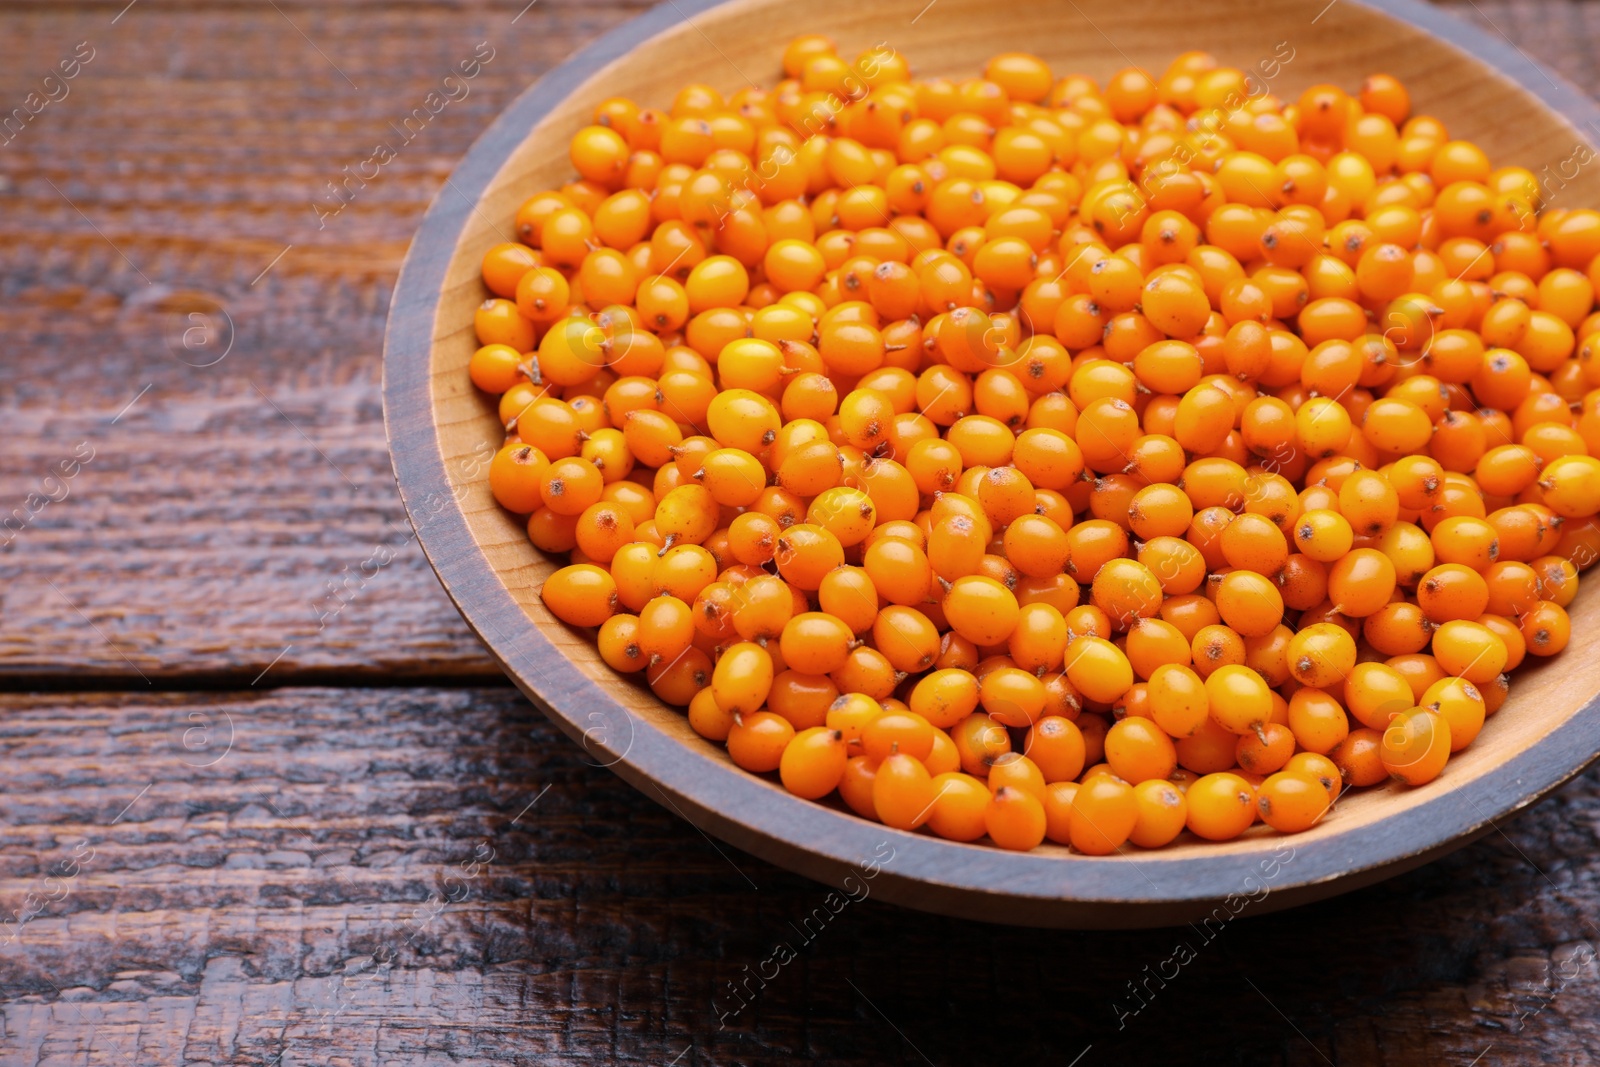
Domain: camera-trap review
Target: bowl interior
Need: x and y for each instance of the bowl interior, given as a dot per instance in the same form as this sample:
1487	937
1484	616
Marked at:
1287	44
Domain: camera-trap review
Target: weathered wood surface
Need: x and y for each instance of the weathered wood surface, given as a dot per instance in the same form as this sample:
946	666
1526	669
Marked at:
203	534
281	905
306	895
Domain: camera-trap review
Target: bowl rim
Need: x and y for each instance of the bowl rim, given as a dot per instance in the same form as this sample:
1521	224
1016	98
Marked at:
922	871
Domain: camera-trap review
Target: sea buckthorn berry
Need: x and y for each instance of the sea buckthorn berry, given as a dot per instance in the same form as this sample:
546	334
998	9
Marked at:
1513	588
1371	692
1139	750
743	419
1214	646
981	609
1361	582
1268	655
1056	747
1466	540
1104	813
1005	494
743	677
1012	697
1221	806
1154	643
1496	693
550	532
581	595
1469	650
866	670
758	741
1016	771
1368	502
903	792
686	515
515	476
805	553
1291	801
1040	638
1126	591
1323	535
1321	655
980	741
1037	546
898	731
602	530
495	368
1571	486
815	643
1317	720
1396	425
1322	427
1253	542
960	807
803	699
1461	704
1097	668
1015	819
1452	591
1179	703
998	417
1415	746
1177	565
856	785
618	645
1208	750
850	713
1359	759
1304	582
1250	603
945	697
1239	698
1507	470
1162	813
708	720
1558	579
1320	769
1416	480
813	762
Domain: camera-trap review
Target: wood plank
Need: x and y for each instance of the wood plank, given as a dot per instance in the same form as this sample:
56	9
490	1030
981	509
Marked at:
308	897
201	537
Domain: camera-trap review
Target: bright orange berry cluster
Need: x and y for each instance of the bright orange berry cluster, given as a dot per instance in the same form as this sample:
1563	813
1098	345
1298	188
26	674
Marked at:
1029	459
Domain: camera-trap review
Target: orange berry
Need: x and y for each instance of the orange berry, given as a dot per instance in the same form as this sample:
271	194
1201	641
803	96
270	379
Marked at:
813	762
1104	813
1221	806
1416	746
1291	802
903	792
758	741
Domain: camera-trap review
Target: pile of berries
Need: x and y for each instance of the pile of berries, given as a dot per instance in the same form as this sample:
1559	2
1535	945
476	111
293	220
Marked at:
1026	458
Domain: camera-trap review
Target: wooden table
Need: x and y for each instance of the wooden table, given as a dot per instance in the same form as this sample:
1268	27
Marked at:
263	805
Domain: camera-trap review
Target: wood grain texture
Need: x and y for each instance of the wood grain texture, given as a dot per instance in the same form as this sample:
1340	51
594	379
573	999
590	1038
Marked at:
203	534
305	897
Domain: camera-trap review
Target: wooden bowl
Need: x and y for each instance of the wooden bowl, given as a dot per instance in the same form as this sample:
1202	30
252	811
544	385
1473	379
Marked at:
442	431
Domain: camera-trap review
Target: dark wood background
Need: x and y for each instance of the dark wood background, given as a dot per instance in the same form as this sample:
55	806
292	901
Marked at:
237	827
